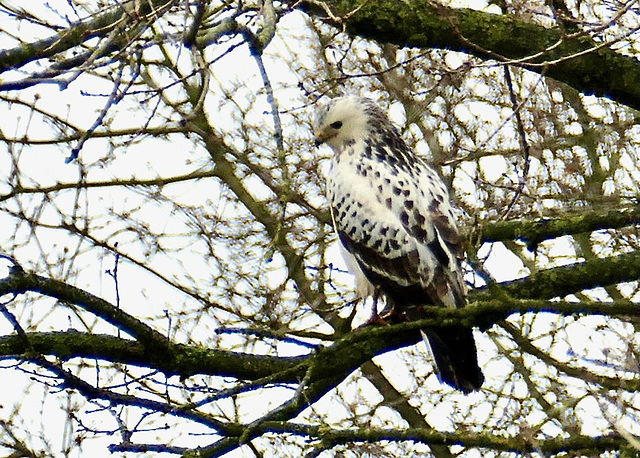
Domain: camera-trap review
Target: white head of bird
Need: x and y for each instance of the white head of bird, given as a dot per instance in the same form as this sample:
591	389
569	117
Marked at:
342	121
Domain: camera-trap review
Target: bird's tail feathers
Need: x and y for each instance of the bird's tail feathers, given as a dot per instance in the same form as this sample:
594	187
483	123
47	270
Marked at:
453	351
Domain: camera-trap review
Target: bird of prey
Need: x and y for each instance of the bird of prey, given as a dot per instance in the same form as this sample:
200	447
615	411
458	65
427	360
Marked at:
392	215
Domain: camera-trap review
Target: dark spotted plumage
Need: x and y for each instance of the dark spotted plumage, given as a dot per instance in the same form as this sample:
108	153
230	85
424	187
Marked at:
392	215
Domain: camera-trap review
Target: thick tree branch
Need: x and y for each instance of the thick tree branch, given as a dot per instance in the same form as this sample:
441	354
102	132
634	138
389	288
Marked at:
95	26
414	23
351	350
577	60
356	348
332	437
514	444
181	360
573	278
326	369
534	232
323	370
19	282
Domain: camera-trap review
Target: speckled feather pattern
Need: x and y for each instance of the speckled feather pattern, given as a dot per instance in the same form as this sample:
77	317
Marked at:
397	230
392	213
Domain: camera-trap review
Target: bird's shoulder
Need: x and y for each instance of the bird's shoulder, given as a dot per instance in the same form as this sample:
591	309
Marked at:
404	199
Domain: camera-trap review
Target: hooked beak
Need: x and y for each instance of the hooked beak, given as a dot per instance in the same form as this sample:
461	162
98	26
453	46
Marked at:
321	137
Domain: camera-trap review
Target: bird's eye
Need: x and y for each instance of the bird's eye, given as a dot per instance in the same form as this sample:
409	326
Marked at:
336	125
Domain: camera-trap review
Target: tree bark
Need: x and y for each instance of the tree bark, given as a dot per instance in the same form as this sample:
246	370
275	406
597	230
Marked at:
589	66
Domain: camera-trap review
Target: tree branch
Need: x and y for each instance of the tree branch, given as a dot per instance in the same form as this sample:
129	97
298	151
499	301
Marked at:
355	348
398	401
19	282
534	232
573	278
342	356
225	170
420	24
181	360
95	26
513	444
71	381
323	370
611	383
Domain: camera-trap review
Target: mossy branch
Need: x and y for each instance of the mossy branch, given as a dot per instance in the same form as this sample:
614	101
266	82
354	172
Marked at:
486	309
330	363
576	60
181	360
318	372
573	278
427	436
315	373
19	282
534	232
99	25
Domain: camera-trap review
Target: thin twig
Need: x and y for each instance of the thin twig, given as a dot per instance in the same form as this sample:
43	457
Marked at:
522	139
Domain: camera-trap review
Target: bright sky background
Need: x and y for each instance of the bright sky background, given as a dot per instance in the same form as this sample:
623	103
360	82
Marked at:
144	295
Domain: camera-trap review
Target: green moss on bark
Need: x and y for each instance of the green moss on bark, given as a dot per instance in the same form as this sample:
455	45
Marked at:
576	61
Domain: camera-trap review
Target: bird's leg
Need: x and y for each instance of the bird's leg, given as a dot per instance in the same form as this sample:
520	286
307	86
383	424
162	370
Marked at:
375	318
392	314
374	307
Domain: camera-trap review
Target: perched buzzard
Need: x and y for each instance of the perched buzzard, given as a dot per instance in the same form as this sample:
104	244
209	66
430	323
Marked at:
392	214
